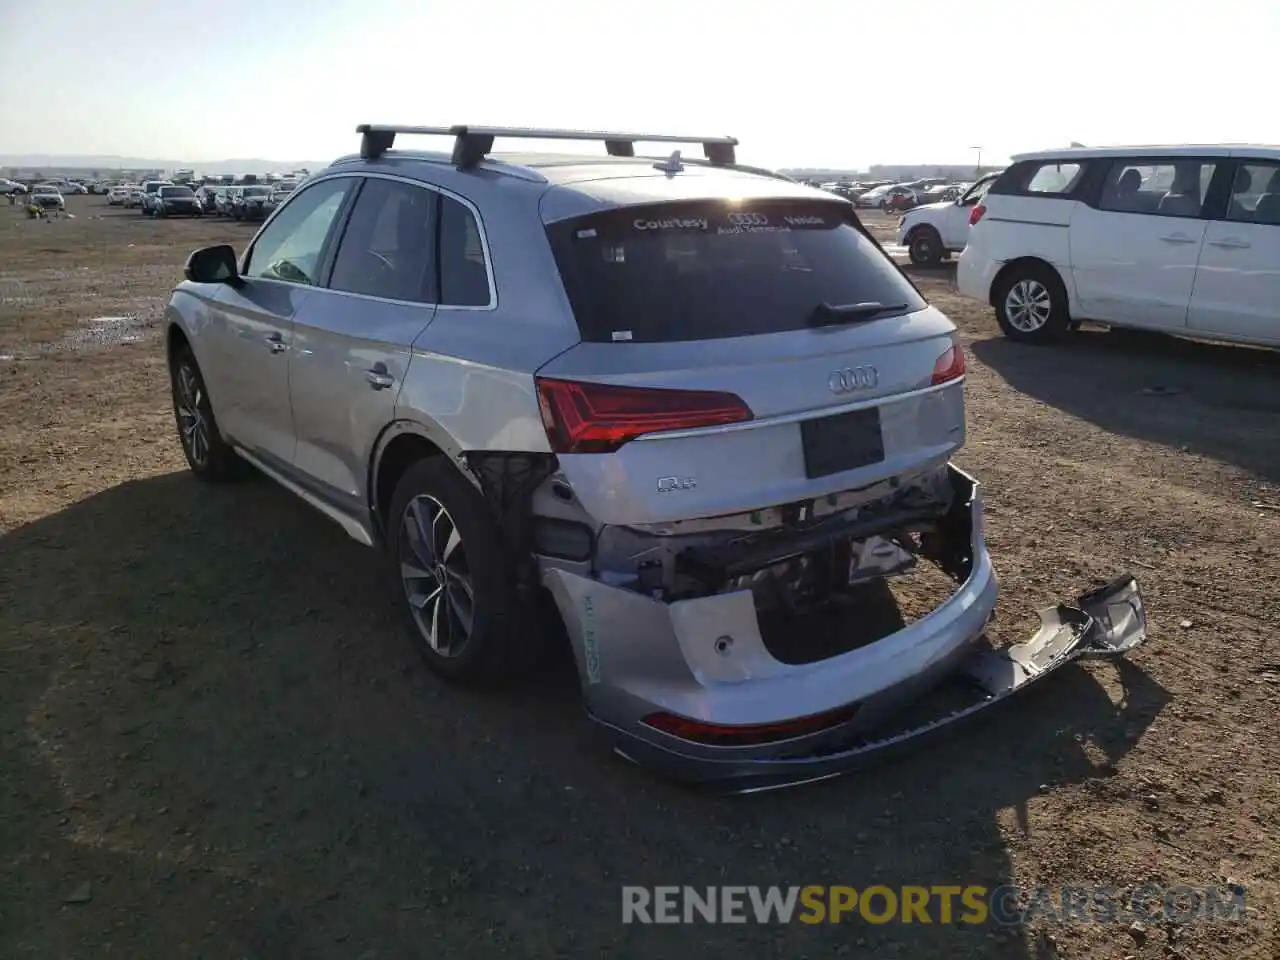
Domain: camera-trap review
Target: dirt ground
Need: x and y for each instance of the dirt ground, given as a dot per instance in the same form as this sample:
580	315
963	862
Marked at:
217	744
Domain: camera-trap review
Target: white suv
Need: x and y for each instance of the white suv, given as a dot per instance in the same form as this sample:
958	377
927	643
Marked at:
932	231
1179	239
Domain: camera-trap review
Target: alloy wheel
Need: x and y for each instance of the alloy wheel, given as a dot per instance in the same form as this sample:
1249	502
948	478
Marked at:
191	421
436	575
1028	305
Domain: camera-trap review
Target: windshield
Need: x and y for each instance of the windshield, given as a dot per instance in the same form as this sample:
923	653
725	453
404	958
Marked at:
978	190
176	192
256	191
701	271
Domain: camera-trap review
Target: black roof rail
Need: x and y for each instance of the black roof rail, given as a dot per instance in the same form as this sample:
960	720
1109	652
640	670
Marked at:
473	144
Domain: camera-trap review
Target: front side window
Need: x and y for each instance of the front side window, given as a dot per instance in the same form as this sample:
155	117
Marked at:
1255	194
289	248
388	246
709	270
1170	188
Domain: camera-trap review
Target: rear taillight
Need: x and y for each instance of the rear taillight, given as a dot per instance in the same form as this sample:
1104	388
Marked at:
599	418
950	365
976	214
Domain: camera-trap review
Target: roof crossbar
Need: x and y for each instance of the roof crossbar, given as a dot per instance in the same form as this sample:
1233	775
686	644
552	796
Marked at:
473	144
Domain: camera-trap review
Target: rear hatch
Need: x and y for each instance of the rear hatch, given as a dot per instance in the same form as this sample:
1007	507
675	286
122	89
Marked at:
737	355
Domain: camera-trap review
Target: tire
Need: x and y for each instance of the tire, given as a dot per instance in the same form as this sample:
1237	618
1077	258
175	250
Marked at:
1031	304
208	455
434	496
924	247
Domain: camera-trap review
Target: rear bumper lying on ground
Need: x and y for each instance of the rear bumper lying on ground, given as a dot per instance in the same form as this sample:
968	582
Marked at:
690	689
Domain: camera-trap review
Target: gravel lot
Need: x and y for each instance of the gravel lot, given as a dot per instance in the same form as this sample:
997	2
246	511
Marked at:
216	743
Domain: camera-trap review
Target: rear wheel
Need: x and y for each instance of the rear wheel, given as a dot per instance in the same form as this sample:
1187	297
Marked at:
452	579
924	247
1031	304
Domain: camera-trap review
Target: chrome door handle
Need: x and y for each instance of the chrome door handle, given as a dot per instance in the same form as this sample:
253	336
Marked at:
1178	238
276	343
1231	243
378	377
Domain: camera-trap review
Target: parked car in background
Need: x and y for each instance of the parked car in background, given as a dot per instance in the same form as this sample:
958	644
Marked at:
75	189
885	197
251	202
933	231
279	193
116	196
11	186
897	202
133	199
207	195
225	201
177	200
149	191
46	196
1176	239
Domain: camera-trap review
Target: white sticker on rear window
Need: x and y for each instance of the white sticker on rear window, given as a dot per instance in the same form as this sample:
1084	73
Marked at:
585	234
671	223
621	335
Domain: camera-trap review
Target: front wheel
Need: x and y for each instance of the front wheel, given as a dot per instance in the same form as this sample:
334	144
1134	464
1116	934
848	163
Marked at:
208	455
924	247
1031	305
452	577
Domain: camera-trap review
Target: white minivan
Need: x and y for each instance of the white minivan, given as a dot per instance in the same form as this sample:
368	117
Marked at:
1179	239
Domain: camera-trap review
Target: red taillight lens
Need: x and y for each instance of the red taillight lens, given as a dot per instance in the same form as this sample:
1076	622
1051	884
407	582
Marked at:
599	418
950	365
976	214
743	734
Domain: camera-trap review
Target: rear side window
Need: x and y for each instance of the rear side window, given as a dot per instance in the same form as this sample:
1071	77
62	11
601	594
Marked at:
1255	194
387	249
464	277
1174	188
1039	178
703	271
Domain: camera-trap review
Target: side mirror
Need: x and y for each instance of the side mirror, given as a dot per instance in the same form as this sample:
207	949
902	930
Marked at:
213	265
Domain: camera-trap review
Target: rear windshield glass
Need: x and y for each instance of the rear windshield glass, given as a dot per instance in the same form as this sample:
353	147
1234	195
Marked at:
176	192
701	271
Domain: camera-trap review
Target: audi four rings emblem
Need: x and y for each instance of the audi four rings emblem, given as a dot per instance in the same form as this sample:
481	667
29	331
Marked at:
853	378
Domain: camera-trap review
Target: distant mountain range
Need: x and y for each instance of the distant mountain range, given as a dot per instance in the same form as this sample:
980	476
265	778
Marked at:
50	161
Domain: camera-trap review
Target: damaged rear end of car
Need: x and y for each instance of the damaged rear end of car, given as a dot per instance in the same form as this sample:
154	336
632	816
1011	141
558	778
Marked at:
753	440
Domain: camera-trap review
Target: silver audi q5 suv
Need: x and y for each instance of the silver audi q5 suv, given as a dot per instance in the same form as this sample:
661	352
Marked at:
678	410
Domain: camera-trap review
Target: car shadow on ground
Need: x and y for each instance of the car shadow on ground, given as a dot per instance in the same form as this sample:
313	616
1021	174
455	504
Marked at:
1214	400
211	718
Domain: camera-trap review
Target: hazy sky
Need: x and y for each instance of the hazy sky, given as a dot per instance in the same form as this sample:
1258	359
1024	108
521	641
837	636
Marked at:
799	82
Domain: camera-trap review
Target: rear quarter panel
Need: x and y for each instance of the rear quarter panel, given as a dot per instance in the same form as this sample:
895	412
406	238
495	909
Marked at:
470	382
1017	227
